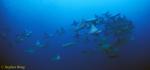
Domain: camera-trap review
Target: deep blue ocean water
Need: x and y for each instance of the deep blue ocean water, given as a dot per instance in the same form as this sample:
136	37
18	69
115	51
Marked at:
46	16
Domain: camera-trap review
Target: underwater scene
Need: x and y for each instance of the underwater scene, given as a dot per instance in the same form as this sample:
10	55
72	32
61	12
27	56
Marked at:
74	35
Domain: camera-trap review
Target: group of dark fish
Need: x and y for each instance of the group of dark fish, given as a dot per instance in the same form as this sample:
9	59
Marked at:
108	32
111	31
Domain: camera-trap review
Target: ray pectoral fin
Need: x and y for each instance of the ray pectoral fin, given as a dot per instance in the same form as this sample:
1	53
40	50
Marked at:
93	29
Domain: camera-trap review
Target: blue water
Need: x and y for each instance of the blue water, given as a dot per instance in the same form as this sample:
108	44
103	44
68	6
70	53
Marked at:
40	16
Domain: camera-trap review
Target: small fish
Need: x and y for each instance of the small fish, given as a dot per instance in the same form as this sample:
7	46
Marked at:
77	35
75	23
30	50
48	35
23	36
39	44
69	44
56	58
60	31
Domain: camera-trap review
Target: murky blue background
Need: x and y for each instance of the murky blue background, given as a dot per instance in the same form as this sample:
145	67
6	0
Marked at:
48	15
